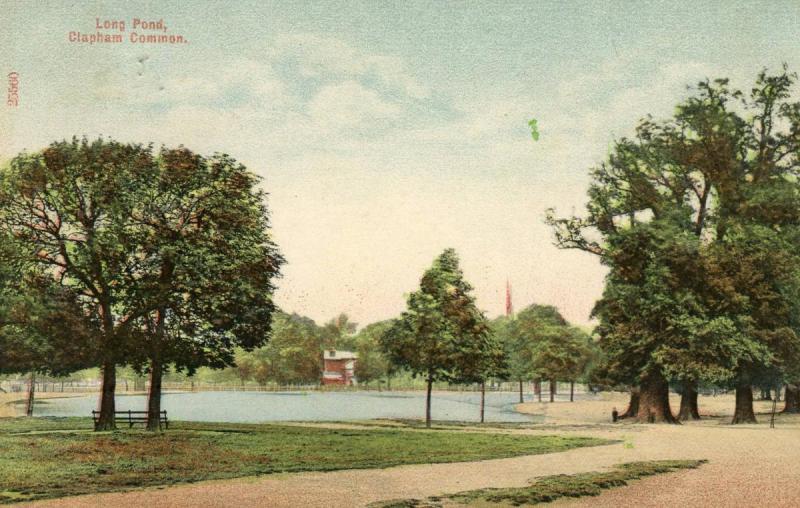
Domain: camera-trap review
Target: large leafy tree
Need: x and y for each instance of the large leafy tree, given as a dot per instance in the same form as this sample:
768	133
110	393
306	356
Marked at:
169	254
696	218
441	331
69	211
206	266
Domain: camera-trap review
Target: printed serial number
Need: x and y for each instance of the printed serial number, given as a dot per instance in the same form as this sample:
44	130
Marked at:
12	99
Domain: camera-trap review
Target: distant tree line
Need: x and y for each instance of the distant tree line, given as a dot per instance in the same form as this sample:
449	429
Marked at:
294	353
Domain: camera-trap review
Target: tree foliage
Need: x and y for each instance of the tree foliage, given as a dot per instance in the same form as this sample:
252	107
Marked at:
168	254
540	344
207	262
372	364
42	326
292	355
441	334
697	219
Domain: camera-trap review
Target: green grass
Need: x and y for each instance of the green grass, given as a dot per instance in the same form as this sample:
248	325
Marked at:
550	488
55	457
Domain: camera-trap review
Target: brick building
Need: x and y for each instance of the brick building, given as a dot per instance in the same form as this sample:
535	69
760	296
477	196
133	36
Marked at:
339	367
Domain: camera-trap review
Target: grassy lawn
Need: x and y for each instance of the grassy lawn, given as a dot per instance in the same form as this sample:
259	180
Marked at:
549	488
55	457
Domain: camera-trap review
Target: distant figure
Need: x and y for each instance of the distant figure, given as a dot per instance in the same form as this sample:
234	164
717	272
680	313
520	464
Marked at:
614	415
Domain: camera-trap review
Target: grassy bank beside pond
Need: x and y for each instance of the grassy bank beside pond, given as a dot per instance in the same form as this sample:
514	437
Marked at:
56	457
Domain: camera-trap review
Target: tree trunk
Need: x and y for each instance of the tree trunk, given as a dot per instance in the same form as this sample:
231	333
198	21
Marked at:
106	420
792	399
552	390
156	373
744	405
428	403
633	404
31	390
654	400
539	392
572	391
521	400
483	398
689	409
154	396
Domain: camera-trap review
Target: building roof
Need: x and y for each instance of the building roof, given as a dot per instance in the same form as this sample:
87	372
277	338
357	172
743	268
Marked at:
332	354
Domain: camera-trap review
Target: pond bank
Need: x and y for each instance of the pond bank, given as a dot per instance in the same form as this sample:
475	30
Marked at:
9	402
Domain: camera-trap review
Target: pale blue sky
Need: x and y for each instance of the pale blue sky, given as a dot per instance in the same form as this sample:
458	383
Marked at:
388	131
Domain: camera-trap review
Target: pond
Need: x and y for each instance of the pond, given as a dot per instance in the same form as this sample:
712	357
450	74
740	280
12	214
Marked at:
254	407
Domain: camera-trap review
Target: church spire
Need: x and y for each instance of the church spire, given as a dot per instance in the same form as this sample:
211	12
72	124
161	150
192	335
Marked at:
509	305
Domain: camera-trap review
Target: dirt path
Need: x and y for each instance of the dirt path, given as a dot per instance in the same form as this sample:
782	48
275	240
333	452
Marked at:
749	466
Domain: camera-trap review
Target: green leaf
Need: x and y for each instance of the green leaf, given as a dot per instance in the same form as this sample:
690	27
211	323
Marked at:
532	123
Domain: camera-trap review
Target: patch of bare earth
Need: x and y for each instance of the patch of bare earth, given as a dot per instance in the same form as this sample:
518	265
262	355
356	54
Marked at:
749	465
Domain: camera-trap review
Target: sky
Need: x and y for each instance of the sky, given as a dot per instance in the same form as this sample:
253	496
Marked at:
386	132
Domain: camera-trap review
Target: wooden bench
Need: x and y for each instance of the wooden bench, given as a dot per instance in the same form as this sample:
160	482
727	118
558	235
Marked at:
132	417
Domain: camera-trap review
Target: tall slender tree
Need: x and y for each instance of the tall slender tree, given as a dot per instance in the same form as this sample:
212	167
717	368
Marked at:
441	330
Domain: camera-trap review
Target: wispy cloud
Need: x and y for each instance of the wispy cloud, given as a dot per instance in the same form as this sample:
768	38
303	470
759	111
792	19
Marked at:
331	58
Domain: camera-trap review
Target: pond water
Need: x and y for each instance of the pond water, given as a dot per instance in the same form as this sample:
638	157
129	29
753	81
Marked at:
254	407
